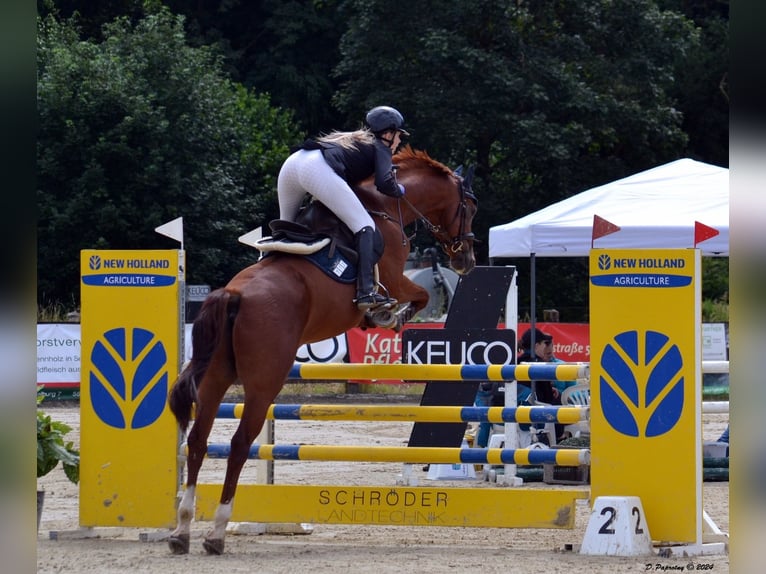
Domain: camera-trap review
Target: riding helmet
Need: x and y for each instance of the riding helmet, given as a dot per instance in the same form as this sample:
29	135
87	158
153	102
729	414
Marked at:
384	118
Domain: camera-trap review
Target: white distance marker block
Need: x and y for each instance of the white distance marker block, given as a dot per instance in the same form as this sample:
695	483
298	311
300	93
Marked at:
617	527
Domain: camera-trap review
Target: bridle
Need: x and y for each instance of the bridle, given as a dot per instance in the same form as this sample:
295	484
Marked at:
452	245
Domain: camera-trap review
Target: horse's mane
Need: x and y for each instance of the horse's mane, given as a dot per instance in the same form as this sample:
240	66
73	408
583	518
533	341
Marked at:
408	156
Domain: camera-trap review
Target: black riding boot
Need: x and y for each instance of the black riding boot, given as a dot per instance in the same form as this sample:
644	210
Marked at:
366	297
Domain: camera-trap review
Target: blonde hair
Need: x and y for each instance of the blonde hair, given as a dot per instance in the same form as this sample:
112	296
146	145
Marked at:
348	140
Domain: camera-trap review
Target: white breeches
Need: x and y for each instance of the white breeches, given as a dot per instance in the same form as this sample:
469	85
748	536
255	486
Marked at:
306	171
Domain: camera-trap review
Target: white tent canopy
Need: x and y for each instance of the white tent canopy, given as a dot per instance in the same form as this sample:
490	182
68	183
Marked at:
656	208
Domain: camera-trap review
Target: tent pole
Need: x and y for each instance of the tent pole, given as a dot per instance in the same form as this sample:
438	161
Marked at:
532	313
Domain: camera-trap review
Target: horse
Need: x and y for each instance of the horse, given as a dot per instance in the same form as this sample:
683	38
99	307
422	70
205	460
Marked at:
250	330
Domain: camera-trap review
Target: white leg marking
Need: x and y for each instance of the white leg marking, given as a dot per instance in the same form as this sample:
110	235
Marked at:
222	516
185	511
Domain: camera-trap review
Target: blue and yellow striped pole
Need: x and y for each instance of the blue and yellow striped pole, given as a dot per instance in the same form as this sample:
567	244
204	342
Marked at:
410	413
414	372
432	455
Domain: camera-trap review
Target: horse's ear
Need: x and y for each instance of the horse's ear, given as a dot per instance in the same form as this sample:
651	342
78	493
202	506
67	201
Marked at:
469	176
459	170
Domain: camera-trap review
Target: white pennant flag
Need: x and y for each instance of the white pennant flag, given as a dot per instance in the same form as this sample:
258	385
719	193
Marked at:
251	237
173	229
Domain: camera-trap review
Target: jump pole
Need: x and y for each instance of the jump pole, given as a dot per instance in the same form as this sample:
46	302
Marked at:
408	413
415	372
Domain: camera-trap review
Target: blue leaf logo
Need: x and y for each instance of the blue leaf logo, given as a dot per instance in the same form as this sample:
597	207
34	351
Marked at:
129	380
94	262
604	262
642	388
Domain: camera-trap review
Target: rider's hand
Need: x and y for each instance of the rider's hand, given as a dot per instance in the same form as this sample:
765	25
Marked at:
401	190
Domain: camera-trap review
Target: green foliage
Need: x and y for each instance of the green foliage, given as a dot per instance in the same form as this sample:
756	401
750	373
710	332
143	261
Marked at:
136	130
702	80
53	312
715	289
288	49
51	447
547	98
715	311
140	120
715	278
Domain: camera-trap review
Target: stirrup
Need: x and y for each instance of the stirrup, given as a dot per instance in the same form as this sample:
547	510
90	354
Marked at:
374	301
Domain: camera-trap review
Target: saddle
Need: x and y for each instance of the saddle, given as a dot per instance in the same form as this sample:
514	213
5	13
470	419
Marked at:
318	235
314	229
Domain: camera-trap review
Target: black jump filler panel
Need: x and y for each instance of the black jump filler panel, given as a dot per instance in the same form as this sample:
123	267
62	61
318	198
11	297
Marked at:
470	335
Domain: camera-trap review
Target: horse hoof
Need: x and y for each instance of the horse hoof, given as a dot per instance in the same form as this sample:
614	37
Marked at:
384	319
213	546
179	544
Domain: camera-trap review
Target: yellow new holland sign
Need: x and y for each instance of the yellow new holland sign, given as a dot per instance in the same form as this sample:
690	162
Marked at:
646	385
132	327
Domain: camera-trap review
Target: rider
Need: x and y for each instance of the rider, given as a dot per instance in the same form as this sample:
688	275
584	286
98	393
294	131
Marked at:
326	167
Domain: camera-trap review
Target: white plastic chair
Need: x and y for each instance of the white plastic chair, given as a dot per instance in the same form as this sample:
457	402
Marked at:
577	396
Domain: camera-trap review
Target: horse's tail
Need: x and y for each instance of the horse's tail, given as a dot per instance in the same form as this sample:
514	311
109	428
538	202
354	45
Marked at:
211	329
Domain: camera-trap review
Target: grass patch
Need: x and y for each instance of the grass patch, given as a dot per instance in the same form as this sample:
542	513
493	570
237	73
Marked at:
715	395
57	313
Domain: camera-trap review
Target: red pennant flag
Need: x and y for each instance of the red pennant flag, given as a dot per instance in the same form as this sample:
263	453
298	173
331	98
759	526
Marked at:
702	232
602	227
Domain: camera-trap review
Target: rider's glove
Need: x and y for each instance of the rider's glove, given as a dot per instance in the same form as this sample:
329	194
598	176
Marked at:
401	190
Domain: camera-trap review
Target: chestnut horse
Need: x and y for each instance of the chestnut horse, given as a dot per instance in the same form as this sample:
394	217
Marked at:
249	331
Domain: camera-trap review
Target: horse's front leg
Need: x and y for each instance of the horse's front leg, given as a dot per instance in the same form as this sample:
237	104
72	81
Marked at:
412	298
417	296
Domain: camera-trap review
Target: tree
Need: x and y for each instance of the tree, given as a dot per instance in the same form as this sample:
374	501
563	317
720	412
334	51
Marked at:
136	130
546	98
702	86
286	48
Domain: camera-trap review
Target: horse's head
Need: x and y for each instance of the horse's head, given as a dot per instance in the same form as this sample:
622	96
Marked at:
443	201
458	240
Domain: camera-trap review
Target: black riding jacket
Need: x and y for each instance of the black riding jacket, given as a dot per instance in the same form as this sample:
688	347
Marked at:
355	165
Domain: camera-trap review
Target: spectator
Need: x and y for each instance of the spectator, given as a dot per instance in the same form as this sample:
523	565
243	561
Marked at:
725	439
484	398
544	352
545	392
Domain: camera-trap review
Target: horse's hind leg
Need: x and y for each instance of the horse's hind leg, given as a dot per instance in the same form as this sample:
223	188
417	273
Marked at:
208	402
253	417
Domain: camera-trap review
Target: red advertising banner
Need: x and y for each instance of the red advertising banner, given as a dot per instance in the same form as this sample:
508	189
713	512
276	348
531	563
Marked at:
381	346
571	342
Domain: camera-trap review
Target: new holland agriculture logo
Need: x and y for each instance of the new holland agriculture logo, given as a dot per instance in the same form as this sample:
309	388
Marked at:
642	388
129	379
640	272
127	272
